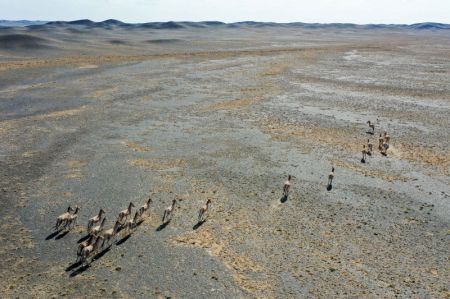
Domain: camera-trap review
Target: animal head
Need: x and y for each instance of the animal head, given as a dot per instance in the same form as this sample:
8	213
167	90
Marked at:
332	169
208	201
174	201
149	200
77	208
101	211
289	177
131	204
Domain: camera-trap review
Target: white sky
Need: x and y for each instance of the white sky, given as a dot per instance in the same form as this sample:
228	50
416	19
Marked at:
320	11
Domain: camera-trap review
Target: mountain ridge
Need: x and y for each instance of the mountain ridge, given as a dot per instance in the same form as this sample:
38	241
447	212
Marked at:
110	23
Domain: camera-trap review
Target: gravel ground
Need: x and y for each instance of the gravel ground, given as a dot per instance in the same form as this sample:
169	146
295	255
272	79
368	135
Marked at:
228	114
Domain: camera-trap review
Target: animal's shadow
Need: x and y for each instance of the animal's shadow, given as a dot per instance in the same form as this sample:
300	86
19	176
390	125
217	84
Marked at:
198	224
61	235
83	238
329	187
384	154
370	132
87	266
80	270
53	234
162	226
100	254
73	266
123	240
284	198
363	160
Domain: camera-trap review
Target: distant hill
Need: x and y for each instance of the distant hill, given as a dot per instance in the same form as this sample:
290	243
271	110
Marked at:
430	26
23	42
21	23
111	23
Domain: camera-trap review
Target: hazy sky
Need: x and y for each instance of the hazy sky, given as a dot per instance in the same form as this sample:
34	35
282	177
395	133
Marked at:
323	11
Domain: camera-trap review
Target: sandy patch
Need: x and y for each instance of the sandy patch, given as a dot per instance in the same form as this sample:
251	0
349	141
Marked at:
29	154
75	169
22	237
240	265
387	176
169	177
75	163
61	114
234	104
424	155
287	132
74	175
137	147
218	243
350	140
7	125
105	59
18	88
88	66
275	69
103	92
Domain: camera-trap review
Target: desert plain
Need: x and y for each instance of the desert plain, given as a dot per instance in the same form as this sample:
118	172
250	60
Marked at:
98	115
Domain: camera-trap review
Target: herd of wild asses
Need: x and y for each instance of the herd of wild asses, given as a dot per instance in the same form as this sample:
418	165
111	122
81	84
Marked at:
383	143
98	236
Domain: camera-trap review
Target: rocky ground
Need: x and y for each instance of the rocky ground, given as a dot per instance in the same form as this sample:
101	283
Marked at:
103	117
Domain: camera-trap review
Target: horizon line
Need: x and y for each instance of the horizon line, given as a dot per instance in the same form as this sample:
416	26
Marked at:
226	23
